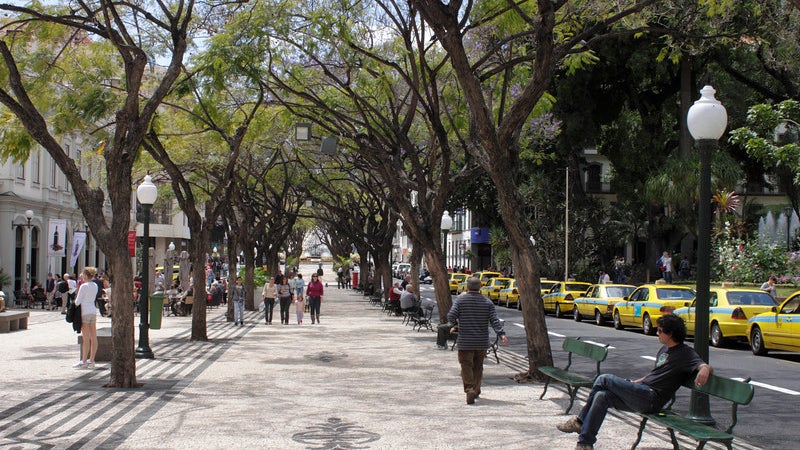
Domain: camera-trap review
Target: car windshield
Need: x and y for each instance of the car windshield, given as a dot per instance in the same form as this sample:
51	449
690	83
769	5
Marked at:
619	291
751	298
575	287
675	294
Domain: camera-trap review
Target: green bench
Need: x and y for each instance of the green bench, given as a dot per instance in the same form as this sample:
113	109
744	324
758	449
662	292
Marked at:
572	380
736	392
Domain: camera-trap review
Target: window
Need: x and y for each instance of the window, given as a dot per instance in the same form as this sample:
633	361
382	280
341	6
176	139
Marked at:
20	171
35	158
53	173
593	178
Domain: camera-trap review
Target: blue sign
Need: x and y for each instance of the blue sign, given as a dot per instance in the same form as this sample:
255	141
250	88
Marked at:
479	235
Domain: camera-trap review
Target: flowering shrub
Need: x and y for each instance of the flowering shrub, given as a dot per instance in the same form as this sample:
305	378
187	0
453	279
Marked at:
751	261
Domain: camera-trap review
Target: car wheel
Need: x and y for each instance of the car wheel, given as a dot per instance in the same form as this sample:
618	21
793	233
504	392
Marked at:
647	326
558	310
617	321
575	314
717	339
757	342
598	318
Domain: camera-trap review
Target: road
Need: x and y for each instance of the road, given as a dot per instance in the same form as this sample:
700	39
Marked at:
763	423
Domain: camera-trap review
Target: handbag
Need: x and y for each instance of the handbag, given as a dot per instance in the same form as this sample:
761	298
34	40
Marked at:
71	312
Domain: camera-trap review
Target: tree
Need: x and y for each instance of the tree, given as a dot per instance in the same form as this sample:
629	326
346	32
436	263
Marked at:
771	136
504	56
78	93
388	96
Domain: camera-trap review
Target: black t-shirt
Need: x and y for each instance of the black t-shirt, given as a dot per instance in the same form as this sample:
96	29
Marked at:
674	367
62	286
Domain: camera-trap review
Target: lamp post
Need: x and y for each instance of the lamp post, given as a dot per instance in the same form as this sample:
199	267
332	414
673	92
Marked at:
788	210
446	225
706	121
146	193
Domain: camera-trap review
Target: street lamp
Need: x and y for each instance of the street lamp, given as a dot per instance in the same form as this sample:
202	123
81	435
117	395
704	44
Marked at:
706	120
146	193
788	210
446	225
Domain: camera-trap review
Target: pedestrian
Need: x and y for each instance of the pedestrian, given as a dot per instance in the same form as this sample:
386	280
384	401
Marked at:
408	301
284	294
473	314
85	298
347	279
268	297
299	286
666	262
314	293
340	278
770	288
299	306
237	297
603	278
50	290
676	364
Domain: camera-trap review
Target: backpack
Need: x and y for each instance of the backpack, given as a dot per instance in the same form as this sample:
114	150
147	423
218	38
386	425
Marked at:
62	287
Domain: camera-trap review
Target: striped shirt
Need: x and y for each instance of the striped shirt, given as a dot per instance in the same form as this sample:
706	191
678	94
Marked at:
474	313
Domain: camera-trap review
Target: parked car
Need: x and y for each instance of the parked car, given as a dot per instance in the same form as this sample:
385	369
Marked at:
649	301
402	270
456	278
485	276
599	301
545	285
492	288
509	295
778	329
558	299
728	313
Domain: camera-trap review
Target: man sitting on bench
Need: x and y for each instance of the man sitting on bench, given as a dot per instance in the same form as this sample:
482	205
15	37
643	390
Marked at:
676	362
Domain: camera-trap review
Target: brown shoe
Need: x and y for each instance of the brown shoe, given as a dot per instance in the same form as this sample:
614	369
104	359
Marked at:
573	425
471	398
584	447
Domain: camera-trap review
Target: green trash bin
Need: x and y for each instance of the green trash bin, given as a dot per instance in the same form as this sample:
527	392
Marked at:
156	309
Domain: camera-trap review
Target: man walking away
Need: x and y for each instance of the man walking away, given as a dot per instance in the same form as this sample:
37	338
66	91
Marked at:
473	313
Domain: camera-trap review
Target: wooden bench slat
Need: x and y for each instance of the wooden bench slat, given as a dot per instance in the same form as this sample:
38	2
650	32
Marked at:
566	377
573	381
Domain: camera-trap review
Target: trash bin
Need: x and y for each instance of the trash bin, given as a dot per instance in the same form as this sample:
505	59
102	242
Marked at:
156	309
355	279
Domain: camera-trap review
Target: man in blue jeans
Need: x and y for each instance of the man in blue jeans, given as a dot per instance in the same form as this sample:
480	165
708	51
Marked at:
676	363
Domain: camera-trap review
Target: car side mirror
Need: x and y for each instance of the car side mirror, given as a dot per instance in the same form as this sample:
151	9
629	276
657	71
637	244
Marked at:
774	309
686	304
625	299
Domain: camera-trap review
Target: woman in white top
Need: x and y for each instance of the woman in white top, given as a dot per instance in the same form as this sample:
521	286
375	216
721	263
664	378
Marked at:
87	292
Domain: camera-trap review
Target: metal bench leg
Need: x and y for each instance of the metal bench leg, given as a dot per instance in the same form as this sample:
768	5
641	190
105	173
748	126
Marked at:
639	434
674	439
544	391
573	392
701	444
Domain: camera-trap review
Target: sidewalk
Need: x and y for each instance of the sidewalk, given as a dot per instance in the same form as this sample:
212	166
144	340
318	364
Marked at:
359	380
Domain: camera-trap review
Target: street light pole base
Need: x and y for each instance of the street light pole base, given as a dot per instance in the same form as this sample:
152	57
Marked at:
144	353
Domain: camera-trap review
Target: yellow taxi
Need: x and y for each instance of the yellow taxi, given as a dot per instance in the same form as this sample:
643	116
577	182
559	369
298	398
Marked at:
599	301
559	297
509	295
728	312
493	287
778	329
486	276
546	285
647	303
455	279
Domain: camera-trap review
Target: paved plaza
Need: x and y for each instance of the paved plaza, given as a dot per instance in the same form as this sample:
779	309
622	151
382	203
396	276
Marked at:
358	380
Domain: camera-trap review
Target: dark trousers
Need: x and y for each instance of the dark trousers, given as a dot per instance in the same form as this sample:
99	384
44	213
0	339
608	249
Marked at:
269	306
313	306
471	369
285	303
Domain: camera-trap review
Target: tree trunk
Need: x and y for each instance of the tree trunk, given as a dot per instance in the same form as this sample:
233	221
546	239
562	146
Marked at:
526	267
